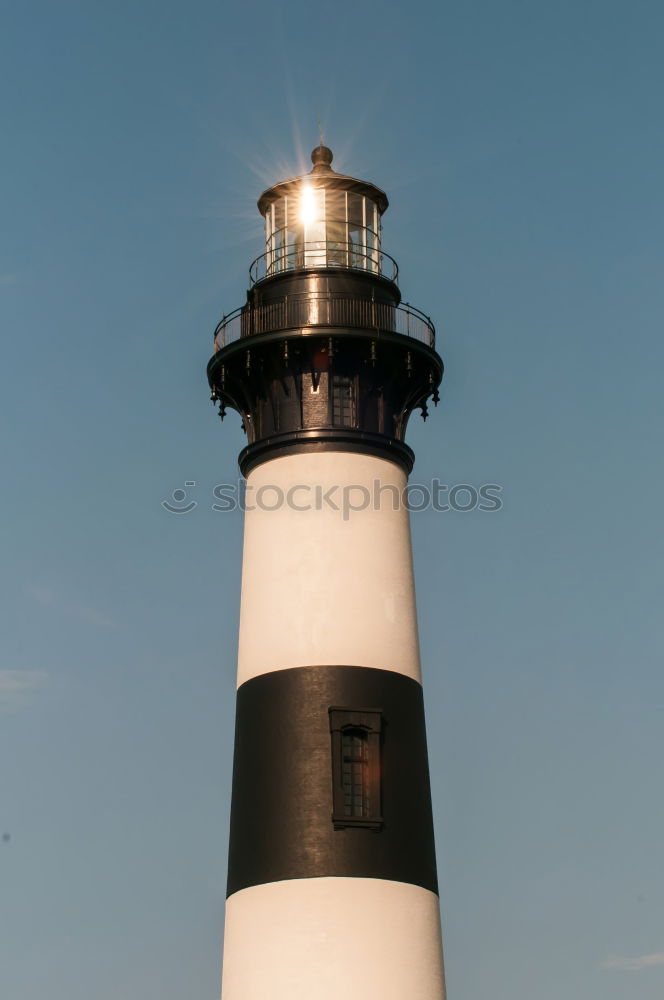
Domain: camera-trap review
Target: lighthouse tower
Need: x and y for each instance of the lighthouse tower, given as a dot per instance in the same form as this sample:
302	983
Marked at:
332	888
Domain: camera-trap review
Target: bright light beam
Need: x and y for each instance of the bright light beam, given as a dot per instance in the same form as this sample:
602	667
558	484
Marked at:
308	207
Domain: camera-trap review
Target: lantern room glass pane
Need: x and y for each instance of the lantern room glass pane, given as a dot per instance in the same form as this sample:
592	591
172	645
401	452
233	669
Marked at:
294	235
268	225
371	235
356	230
370	215
335	226
312	214
268	239
278	261
279	208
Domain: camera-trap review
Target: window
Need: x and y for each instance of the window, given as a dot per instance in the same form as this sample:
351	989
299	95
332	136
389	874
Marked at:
354	772
343	401
356	767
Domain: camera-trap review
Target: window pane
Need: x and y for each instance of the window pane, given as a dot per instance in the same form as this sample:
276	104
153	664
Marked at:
335	216
371	238
355	210
356	237
279	214
312	217
356	770
355	779
372	221
279	234
294	243
343	405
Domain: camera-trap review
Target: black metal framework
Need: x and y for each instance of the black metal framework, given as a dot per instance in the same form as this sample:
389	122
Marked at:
356	768
268	380
323	355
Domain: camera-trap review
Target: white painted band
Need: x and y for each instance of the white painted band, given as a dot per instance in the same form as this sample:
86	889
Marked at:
326	586
326	938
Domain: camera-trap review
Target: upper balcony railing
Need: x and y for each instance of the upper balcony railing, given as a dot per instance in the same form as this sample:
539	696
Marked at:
323	253
296	312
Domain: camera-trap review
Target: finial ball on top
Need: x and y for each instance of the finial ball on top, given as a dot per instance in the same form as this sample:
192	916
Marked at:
322	157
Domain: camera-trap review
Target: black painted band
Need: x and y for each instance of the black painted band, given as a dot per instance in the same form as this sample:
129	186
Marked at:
281	818
326	439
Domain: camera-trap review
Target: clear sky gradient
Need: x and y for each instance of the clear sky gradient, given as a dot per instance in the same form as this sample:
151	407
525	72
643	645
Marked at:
521	146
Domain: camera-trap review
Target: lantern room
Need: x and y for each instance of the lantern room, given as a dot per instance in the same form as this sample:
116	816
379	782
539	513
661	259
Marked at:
321	220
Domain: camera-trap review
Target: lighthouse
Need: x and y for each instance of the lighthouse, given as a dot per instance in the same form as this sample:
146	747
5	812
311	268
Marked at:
332	886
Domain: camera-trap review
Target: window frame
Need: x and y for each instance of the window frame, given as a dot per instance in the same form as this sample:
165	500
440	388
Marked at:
368	720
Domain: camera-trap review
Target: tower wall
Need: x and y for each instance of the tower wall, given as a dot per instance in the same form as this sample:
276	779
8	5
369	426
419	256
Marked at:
328	622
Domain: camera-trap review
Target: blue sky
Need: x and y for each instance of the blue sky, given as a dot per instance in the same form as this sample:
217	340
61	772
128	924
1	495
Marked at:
521	147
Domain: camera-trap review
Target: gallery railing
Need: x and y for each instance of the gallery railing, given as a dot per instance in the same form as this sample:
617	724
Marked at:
325	311
323	253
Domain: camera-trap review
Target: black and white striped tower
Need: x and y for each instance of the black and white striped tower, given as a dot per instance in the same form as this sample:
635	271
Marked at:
332	885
